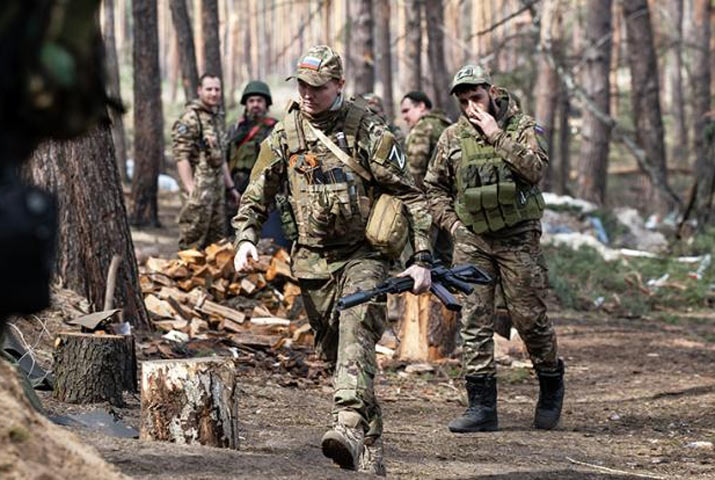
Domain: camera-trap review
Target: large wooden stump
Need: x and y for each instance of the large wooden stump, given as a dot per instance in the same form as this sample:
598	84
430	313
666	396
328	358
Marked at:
92	368
427	330
190	401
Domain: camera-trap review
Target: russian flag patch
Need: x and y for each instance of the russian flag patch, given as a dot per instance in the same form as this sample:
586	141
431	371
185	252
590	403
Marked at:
311	63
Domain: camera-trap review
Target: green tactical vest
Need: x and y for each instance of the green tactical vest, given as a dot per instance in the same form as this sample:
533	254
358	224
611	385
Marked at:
489	195
330	201
243	157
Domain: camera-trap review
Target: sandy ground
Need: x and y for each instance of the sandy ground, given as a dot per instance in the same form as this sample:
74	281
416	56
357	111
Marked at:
639	393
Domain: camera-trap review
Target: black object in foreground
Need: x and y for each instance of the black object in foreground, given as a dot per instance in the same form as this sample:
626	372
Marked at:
444	282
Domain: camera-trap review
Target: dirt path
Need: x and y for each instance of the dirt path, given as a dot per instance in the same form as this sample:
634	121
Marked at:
638	392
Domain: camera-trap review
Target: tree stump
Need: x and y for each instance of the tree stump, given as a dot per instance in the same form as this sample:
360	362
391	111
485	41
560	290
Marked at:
190	401
92	368
426	329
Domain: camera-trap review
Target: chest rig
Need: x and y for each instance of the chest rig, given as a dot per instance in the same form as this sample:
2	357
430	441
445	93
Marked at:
489	195
244	145
330	201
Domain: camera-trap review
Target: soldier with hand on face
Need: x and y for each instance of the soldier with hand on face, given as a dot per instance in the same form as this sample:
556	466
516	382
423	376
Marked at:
341	169
197	149
482	185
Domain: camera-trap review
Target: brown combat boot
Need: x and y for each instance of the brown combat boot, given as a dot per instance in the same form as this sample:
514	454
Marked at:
344	445
372	457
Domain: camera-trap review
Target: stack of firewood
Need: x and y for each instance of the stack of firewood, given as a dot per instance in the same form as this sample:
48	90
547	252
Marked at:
200	296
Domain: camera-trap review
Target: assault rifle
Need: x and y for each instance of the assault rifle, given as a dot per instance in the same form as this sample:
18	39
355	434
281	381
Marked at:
444	281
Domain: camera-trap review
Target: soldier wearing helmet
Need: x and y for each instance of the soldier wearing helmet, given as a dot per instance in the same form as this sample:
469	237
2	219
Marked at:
244	138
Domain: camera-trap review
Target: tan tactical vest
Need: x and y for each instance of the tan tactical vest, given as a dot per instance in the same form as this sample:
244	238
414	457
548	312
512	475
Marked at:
489	195
331	202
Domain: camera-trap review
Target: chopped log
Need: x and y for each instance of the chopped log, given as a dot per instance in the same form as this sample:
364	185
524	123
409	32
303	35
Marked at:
427	330
253	340
190	401
192	256
157	265
270	321
94	368
160	308
231	326
247	286
280	265
213	308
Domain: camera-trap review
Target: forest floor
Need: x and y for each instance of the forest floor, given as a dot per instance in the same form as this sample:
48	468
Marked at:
639	394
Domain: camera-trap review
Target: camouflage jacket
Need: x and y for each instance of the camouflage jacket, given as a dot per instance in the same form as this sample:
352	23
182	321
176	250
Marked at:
375	150
197	136
522	152
422	141
243	141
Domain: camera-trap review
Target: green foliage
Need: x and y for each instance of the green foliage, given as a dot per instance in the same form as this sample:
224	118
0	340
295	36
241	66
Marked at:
582	280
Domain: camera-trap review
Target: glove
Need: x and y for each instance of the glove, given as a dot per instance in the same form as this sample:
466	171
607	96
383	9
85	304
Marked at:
245	250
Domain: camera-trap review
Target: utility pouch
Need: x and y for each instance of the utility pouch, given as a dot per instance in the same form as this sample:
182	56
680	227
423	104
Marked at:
285	212
473	199
507	202
387	227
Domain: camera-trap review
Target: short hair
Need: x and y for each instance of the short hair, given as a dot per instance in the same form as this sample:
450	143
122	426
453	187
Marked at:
418	96
207	75
465	87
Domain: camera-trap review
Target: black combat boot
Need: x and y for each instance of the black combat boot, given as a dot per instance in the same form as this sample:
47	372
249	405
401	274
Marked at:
551	398
481	415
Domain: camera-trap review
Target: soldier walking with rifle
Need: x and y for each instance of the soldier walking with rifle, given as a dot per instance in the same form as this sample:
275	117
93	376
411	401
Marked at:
350	204
482	185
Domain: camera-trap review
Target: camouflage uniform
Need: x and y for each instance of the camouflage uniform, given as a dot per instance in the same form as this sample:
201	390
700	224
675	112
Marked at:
500	235
196	138
374	103
421	142
243	142
420	146
330	203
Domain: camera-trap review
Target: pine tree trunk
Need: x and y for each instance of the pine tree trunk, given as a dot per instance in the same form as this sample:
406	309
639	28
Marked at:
564	159
704	125
679	151
365	48
546	89
190	401
596	134
436	53
212	42
412	78
113	89
187	52
384	57
645	92
93	368
148	120
348	37
92	220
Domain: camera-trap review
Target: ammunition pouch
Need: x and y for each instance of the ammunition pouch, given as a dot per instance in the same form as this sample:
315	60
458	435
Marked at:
285	212
387	227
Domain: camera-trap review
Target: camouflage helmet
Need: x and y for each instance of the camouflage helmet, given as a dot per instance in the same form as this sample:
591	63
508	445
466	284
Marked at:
318	66
471	75
257	87
374	103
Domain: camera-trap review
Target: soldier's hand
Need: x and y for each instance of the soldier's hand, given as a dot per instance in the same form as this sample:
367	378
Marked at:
245	250
422	277
483	120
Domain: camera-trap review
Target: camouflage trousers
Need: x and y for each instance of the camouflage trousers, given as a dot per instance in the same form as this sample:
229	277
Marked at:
518	262
348	339
202	217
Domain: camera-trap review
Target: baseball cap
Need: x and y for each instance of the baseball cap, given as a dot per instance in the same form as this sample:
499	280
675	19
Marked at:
318	66
471	75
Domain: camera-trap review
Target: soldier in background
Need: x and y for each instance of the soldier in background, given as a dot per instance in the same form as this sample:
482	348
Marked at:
336	157
426	125
376	106
197	149
243	140
483	186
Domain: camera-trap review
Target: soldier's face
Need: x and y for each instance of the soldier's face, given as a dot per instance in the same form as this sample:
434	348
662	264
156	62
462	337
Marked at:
210	91
256	106
477	98
412	111
316	100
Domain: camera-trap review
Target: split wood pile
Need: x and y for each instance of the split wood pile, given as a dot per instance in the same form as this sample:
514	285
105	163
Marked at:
199	296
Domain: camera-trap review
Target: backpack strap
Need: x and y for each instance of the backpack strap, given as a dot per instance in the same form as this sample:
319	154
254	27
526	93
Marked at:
294	133
342	156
